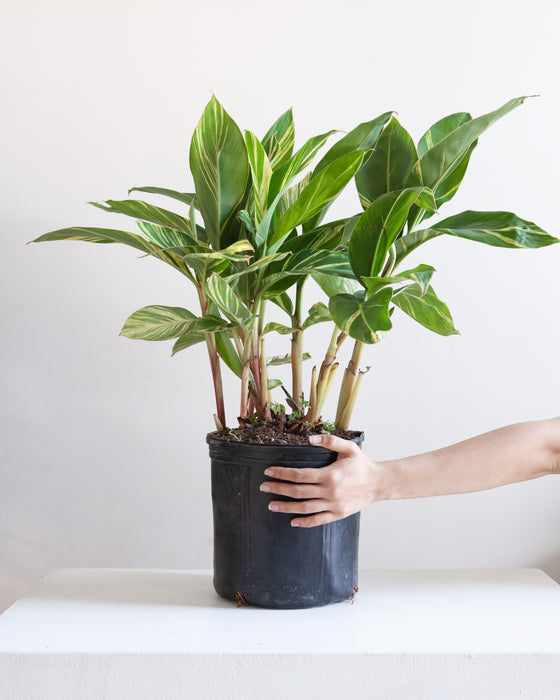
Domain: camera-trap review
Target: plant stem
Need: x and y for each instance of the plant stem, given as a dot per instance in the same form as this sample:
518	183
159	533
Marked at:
297	346
350	374
349	408
217	378
326	376
264	383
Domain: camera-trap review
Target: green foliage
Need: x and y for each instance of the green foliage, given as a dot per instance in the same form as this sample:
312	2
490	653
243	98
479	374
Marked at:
252	232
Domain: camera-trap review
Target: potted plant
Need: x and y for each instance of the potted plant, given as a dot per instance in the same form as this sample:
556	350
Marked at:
250	236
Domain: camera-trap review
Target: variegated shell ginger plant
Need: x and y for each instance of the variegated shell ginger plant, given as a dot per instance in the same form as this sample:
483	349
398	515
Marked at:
254	231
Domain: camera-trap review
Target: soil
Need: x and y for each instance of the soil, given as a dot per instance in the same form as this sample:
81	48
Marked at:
278	433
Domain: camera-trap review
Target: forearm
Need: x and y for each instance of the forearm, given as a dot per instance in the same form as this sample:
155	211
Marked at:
504	456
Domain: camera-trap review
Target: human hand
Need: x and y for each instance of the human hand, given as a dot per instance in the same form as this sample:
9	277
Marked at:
329	493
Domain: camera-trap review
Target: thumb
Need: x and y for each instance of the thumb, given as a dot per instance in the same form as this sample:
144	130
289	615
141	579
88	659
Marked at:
337	444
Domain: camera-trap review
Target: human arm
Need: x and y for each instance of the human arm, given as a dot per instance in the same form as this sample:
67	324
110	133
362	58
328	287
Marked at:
507	455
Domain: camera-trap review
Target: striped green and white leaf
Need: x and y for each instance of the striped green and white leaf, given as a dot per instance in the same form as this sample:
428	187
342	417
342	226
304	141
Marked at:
496	228
291	195
220	167
261	172
362	318
332	285
363	137
326	237
205	261
303	263
422	274
227	301
259	265
283	176
278	328
276	361
441	159
184	197
318	313
164	236
283	302
106	235
425	308
385	170
187	340
148	212
450	183
380	225
321	190
158	323
278	141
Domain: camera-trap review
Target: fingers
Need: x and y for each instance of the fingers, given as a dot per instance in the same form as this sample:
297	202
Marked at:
346	448
315	505
314	520
305	476
300	491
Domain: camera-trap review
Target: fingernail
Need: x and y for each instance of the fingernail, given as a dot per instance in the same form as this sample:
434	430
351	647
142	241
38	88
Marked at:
268	472
315	439
265	487
272	506
293	524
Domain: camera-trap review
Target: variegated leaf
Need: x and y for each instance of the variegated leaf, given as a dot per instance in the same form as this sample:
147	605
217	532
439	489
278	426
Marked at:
278	141
157	323
439	161
362	137
425	308
321	190
421	275
496	228
291	195
318	313
278	328
220	292
379	226
362	318
332	285
284	359
300	160
165	237
386	168
148	212
186	341
261	172
106	235
220	168
184	197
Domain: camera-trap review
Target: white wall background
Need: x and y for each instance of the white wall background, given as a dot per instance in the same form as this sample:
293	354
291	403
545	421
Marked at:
103	459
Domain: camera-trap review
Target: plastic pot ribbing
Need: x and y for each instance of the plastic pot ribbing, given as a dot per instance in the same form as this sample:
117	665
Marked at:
259	558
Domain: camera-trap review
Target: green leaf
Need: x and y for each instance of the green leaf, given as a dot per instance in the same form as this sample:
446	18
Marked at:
321	190
326	237
261	172
107	235
278	328
425	308
438	162
148	212
362	318
227	352
318	313
421	275
406	244
186	340
379	226
273	383
496	228
220	168
386	168
165	237
184	197
284	359
157	323
284	302
300	160
303	263
278	141
227	301
292	194
332	285
450	183
363	137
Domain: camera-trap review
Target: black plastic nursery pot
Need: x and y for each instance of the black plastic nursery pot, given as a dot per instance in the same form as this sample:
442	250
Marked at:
259	558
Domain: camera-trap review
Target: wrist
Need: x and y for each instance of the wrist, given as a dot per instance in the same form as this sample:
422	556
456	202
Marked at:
384	480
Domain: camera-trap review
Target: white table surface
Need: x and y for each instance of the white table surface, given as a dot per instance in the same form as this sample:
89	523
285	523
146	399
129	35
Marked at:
426	633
